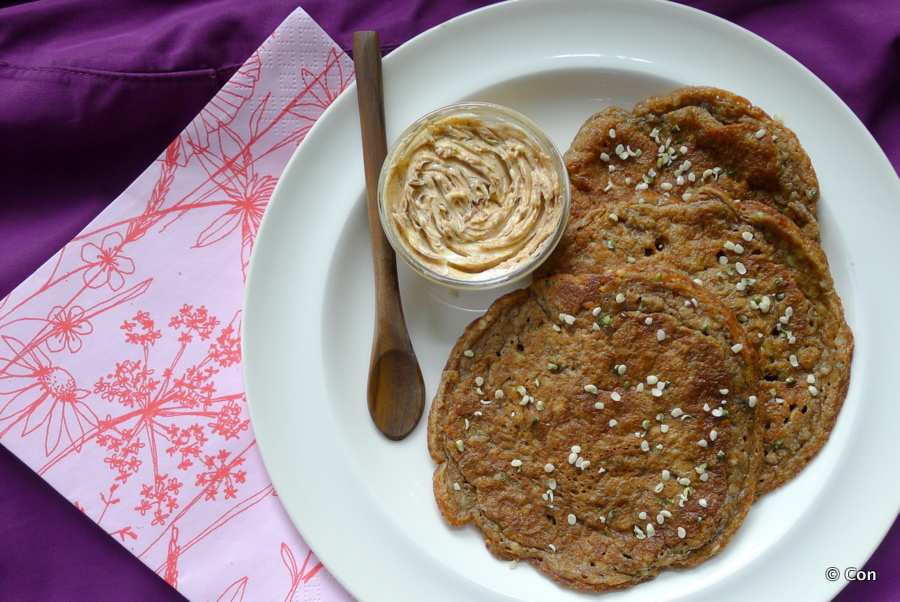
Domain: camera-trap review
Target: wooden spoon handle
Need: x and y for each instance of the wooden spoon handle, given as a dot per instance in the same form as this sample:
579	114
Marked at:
367	61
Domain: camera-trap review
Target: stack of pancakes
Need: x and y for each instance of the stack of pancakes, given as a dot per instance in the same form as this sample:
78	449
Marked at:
681	354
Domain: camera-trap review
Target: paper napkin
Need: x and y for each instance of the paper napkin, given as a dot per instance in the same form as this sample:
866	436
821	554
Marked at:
120	359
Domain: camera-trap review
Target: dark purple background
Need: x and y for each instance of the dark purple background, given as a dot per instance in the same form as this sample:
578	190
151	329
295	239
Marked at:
92	91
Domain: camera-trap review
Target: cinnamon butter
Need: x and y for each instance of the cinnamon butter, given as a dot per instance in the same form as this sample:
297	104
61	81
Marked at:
474	195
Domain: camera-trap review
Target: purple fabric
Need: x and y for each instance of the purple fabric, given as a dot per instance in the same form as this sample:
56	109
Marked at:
91	91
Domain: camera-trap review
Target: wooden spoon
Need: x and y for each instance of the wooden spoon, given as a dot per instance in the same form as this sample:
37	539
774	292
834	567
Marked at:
396	391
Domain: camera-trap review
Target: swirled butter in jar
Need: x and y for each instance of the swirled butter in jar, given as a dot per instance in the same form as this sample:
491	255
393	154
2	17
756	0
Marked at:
473	195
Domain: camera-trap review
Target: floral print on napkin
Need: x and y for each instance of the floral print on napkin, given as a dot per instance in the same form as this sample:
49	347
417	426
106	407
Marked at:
120	359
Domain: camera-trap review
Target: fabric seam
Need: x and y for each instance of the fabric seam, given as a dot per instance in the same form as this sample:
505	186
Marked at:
123	75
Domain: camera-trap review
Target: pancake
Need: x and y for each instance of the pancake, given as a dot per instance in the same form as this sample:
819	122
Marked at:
774	278
691	137
806	356
599	427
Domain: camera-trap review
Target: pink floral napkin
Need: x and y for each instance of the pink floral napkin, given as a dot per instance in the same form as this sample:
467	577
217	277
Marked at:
120	360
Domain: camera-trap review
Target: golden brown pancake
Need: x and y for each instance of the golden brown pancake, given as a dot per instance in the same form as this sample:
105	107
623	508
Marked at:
774	278
691	137
598	427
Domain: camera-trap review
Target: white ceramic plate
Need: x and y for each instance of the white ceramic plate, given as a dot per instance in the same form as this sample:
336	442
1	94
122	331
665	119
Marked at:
365	504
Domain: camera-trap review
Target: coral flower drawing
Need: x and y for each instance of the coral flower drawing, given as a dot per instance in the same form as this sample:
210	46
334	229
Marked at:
68	326
106	265
120	359
40	396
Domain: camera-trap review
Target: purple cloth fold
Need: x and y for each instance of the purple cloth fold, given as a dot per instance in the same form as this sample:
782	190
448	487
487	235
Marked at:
92	91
